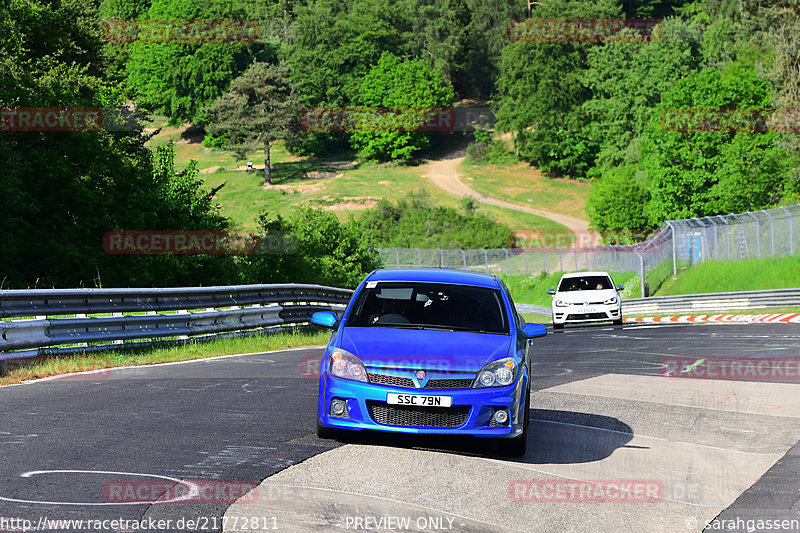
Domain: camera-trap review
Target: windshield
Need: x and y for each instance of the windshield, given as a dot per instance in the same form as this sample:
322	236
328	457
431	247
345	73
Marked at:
585	283
430	306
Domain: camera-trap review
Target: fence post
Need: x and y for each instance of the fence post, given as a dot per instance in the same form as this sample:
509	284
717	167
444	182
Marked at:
485	259
714	226
674	251
526	261
727	235
561	260
544	260
463	257
758	230
791	244
771	233
641	271
397	256
419	257
508	265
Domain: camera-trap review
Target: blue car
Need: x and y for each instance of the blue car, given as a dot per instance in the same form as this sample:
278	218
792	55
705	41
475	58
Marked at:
428	351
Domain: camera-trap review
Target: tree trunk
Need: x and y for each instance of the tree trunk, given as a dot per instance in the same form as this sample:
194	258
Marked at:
267	166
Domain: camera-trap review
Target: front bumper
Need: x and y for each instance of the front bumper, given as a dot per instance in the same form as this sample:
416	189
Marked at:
575	314
472	409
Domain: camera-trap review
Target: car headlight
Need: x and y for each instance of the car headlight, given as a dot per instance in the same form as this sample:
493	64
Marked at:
348	366
611	300
497	374
561	303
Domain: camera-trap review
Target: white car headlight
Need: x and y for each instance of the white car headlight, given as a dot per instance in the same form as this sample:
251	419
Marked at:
561	303
497	374
611	300
348	366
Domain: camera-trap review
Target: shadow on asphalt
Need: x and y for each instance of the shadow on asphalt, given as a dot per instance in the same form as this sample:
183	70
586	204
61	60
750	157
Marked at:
554	437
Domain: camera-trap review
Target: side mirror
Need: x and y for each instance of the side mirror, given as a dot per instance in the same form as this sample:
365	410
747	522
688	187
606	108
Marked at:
324	318
551	291
620	287
533	330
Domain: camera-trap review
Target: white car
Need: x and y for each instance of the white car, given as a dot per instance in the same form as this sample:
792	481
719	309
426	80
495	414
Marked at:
586	297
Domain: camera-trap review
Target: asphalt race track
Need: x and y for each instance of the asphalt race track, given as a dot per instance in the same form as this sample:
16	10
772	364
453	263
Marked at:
638	450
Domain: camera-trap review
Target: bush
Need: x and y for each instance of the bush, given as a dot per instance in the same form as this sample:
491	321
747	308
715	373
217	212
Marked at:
414	222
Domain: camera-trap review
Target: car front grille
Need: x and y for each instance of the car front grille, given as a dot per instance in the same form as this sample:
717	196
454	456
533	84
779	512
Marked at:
409	415
585	316
449	384
394	381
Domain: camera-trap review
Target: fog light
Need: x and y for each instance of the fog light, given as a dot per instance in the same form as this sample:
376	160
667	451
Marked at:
338	408
501	416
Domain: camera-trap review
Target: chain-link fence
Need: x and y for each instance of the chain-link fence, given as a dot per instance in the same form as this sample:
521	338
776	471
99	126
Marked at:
677	244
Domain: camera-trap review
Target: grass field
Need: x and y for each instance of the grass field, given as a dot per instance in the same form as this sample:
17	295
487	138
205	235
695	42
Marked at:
44	367
343	187
523	184
727	276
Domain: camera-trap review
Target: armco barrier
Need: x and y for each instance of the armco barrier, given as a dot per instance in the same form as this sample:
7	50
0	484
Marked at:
720	301
697	303
57	317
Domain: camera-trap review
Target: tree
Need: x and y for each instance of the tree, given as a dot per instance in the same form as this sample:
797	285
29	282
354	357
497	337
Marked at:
617	205
260	108
61	191
323	251
541	90
705	169
179	79
410	91
627	78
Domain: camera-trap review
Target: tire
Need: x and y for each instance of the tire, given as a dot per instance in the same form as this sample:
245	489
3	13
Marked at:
517	446
558	326
618	322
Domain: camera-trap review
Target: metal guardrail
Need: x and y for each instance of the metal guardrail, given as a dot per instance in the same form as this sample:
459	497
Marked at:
720	301
152	313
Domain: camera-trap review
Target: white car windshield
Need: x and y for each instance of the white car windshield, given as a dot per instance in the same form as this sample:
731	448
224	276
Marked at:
585	283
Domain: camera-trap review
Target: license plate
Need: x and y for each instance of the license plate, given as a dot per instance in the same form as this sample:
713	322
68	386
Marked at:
418	399
587	310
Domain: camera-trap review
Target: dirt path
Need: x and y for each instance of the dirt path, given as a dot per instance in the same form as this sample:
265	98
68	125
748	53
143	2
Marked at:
444	173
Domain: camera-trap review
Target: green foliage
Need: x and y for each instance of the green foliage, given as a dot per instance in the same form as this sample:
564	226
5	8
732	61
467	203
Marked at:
617	206
413	222
627	78
477	65
487	150
325	251
698	173
541	90
179	79
411	87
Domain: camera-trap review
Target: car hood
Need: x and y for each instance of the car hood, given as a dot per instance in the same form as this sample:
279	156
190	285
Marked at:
430	350
580	297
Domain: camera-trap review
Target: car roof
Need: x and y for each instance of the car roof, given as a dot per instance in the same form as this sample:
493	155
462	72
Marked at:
436	275
581	274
